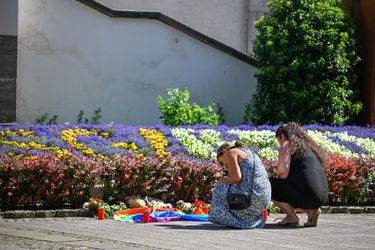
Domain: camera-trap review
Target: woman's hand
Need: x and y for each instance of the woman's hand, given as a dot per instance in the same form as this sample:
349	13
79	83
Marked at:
283	162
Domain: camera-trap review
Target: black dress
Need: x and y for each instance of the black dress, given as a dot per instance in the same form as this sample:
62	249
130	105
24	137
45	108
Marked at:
306	186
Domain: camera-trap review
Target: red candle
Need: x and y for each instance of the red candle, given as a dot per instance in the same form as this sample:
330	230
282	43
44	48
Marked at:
205	210
146	216
100	213
265	215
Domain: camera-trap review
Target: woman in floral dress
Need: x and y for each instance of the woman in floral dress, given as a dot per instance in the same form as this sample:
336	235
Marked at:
240	162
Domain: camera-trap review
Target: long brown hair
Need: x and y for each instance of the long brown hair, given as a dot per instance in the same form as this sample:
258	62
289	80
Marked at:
227	146
300	140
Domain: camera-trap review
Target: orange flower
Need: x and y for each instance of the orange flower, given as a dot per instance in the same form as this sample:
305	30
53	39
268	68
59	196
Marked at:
198	211
199	204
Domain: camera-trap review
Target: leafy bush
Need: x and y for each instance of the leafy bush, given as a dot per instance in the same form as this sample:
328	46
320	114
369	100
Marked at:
349	179
46	180
307	59
177	111
95	119
43	119
170	179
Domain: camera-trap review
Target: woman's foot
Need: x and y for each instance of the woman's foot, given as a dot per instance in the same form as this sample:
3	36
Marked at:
312	217
289	221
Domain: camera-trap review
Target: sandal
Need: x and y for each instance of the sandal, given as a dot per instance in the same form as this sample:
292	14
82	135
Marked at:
285	223
313	215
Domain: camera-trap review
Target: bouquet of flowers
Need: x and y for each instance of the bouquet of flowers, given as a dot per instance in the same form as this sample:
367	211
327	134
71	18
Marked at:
95	203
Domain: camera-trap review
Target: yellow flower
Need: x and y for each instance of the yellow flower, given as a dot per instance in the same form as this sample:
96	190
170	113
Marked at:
69	136
157	140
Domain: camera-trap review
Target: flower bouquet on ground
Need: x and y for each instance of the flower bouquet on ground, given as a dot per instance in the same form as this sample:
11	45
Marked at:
198	207
95	203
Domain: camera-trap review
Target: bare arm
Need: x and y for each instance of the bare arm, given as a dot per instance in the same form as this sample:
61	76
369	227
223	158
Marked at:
232	163
283	162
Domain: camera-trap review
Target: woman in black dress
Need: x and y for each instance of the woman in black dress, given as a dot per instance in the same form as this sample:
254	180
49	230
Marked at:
301	182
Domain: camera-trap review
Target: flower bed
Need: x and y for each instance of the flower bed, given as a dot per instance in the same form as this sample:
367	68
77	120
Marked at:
51	165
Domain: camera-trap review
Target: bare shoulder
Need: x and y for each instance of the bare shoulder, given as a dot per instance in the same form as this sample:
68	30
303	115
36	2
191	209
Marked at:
237	153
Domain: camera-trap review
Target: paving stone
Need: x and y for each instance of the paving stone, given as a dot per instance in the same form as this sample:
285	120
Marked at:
66	212
334	231
45	213
355	210
17	214
326	209
339	209
369	209
85	213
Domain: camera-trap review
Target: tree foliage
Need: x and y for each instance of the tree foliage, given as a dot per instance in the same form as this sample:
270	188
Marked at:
308	64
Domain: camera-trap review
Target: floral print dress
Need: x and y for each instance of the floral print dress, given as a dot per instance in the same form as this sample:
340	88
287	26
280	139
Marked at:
251	217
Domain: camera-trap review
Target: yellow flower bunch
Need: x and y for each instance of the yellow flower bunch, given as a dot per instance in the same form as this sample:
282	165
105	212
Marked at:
69	136
18	132
27	145
131	147
157	140
104	134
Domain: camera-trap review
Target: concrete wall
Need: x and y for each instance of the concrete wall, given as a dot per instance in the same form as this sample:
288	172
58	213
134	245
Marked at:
8	17
223	20
257	8
71	57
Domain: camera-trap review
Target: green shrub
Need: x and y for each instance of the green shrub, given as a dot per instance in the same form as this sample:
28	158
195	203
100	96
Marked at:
170	179
95	119
349	179
43	119
177	111
307	59
46	181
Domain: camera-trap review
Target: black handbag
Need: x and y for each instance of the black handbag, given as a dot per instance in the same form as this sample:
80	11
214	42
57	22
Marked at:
240	200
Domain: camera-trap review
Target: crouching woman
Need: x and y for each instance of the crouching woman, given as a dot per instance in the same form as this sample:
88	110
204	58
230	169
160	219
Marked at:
246	174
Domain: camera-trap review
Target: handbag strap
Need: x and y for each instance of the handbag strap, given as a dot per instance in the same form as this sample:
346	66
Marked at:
252	178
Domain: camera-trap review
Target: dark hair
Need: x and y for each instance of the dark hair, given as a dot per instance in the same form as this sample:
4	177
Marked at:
299	139
227	146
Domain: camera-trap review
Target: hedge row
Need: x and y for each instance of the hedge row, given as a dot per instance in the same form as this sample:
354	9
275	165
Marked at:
48	181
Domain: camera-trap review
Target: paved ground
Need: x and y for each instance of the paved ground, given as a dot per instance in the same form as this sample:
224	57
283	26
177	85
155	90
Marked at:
335	231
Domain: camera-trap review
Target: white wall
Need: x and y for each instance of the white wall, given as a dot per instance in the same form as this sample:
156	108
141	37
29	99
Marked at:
223	20
71	57
8	17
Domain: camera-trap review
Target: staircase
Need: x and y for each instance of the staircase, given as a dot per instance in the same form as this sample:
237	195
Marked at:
8	74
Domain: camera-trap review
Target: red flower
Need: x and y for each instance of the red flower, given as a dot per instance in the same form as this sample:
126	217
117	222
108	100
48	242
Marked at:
199	204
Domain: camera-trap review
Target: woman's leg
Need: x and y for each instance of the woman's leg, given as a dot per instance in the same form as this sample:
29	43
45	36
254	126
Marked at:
286	197
312	219
291	216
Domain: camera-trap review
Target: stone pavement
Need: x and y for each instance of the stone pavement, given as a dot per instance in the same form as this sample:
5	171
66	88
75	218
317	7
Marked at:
335	231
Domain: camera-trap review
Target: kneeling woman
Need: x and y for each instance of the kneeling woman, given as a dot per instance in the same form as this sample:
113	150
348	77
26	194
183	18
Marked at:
246	174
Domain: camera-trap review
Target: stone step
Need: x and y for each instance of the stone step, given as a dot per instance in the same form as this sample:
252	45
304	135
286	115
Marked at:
8	100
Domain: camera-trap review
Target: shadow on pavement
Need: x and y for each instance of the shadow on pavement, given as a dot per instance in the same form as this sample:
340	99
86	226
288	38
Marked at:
275	226
205	226
216	227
